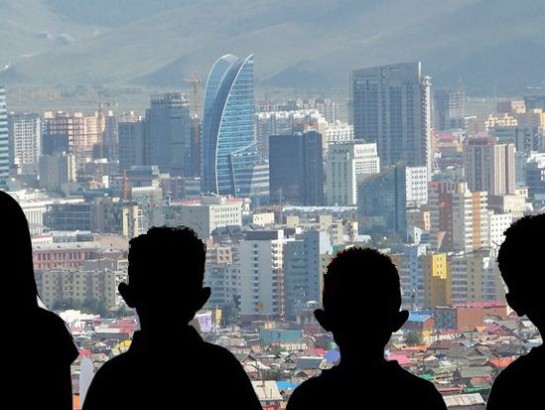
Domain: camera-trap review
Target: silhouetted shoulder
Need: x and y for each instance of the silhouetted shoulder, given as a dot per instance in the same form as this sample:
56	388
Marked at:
520	385
391	385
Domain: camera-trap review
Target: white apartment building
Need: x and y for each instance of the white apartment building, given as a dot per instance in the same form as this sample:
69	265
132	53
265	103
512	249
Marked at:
348	164
25	142
209	213
261	274
416	186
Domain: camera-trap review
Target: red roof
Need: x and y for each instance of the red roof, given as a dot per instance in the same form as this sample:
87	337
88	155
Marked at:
401	359
502	362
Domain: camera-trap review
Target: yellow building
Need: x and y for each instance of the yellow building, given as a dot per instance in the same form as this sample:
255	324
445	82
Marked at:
434	268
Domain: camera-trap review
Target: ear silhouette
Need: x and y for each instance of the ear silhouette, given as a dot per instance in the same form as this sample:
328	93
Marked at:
127	294
323	319
399	320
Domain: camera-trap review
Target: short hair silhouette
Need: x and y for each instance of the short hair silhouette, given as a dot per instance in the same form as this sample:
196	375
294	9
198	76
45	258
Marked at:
361	269
519	253
166	271
361	306
42	343
157	248
520	261
168	362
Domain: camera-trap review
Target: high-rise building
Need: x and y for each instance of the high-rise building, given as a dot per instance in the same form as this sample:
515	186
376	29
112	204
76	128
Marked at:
417	186
296	168
228	144
131	144
262	274
459	218
410	275
475	277
449	108
489	166
391	106
168	134
382	203
25	142
302	273
73	133
4	140
434	268
58	172
348	164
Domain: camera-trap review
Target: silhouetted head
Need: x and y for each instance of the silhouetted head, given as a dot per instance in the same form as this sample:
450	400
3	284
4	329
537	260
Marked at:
166	269
361	299
521	266
18	272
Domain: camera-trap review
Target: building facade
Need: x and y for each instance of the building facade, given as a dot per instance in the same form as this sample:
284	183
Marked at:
348	164
25	142
4	140
262	274
168	135
382	203
228	144
296	169
391	106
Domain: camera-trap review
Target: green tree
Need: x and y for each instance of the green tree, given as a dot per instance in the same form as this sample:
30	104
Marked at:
414	338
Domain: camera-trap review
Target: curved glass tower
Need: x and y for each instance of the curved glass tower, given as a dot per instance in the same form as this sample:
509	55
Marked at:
229	152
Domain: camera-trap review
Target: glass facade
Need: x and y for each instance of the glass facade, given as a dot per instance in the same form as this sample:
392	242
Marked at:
391	106
382	203
228	127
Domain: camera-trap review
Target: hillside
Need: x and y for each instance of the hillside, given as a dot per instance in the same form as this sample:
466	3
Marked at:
494	45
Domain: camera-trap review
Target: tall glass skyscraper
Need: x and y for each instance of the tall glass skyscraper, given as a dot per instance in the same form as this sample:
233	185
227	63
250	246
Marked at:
229	153
4	140
391	106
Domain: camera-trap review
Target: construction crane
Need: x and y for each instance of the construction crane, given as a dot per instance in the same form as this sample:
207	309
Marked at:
196	100
195	126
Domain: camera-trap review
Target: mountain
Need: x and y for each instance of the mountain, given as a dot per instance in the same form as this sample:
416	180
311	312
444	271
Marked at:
493	45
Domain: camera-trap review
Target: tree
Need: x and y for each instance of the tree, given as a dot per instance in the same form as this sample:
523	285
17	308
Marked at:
414	338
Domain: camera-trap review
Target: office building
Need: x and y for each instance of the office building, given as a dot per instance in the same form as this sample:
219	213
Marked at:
347	164
382	203
302	273
168	135
228	144
131	144
296	169
391	106
489	166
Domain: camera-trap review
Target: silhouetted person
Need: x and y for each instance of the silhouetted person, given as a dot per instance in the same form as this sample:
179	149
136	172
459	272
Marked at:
168	365
38	347
361	307
522	266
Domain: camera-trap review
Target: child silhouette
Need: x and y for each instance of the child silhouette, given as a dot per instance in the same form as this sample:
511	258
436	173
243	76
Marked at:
361	307
520	385
168	365
41	348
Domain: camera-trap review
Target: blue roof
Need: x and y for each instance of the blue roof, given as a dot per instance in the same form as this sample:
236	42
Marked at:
286	385
421	316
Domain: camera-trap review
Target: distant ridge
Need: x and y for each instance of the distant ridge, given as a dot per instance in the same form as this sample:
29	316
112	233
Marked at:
493	45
